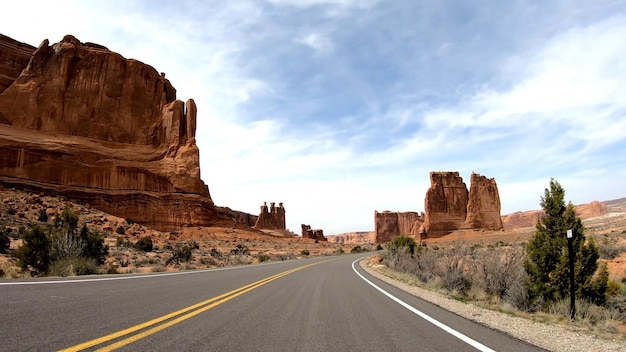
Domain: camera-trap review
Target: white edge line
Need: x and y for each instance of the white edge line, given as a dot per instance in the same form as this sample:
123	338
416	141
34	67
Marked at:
426	317
78	280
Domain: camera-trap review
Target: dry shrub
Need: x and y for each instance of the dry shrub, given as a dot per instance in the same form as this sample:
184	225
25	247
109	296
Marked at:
73	266
501	274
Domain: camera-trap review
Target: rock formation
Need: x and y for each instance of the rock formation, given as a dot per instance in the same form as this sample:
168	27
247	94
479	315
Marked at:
389	225
272	218
483	207
79	120
353	237
450	207
237	216
523	219
591	210
316	234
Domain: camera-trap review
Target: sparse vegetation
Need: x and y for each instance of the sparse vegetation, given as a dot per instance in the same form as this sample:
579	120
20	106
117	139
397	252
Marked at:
5	239
356	249
61	248
43	216
144	244
305	252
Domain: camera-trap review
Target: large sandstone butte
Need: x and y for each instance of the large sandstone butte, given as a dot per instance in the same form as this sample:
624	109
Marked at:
79	120
450	207
389	225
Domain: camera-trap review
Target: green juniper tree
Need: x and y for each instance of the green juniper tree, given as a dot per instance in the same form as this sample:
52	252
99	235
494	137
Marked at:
547	260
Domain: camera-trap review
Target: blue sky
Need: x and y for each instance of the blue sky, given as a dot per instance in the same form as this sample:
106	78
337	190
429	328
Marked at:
341	108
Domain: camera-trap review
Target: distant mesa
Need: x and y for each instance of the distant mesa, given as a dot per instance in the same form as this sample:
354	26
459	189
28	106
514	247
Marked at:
449	206
315	234
524	219
358	237
79	120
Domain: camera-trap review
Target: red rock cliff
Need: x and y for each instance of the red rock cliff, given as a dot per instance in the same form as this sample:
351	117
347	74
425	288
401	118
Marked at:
389	225
84	122
450	207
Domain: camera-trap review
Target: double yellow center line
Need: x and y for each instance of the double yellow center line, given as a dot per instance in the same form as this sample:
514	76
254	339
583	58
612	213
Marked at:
174	317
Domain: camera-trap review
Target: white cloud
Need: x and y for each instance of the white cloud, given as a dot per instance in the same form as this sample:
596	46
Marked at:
318	42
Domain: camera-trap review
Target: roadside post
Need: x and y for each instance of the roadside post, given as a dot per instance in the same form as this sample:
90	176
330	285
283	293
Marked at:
572	283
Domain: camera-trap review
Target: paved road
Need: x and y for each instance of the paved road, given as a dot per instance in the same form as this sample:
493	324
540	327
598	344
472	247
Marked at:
319	304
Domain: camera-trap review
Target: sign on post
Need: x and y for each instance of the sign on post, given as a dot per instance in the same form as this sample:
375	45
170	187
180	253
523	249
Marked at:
569	234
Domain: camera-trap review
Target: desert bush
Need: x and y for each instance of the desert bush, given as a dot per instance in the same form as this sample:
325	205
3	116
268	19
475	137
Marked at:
356	249
34	253
73	266
94	246
305	252
501	274
586	312
144	244
112	270
120	230
11	210
5	239
401	242
180	254
338	251
158	268
609	250
240	250
43	216
263	258
455	269
215	253
379	247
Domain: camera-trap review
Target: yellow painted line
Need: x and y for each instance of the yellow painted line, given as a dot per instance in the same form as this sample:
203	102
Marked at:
200	307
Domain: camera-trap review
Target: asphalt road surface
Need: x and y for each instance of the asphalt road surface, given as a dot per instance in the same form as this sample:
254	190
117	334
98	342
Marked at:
321	304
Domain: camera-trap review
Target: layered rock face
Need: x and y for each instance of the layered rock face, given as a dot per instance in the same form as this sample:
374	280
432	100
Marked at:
591	210
314	234
523	219
445	203
353	238
389	225
84	122
483	207
450	207
272	218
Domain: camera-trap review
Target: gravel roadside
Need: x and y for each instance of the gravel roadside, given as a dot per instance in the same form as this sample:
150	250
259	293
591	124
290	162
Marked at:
550	337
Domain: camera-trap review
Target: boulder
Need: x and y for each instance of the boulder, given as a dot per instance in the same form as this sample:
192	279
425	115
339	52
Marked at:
84	122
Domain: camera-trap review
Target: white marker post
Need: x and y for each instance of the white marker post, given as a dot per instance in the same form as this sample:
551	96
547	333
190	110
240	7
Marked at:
572	283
